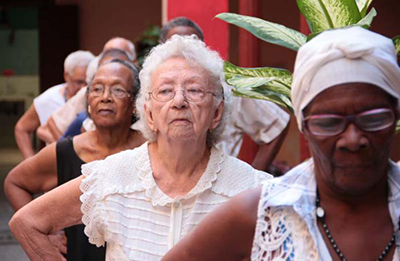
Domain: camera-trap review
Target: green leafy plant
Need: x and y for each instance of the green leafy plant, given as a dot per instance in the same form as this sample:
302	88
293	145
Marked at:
146	42
273	84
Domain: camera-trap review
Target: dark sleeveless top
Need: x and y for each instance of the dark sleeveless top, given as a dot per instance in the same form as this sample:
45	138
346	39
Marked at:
69	167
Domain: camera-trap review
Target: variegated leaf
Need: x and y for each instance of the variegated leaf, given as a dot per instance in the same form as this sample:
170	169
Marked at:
284	76
363	6
396	41
272	97
267	31
367	20
328	14
240	81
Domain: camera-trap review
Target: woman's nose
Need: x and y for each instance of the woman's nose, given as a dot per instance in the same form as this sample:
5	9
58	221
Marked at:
179	99
352	139
106	95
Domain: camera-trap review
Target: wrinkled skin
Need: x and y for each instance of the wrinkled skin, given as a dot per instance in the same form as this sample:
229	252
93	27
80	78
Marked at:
355	161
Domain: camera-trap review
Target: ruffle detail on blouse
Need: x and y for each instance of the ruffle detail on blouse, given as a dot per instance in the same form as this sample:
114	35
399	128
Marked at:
130	171
157	197
89	201
237	176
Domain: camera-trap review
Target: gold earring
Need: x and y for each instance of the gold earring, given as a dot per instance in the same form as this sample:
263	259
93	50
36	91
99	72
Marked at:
89	110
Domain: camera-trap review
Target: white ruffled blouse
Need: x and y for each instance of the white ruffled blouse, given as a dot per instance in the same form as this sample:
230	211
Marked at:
123	206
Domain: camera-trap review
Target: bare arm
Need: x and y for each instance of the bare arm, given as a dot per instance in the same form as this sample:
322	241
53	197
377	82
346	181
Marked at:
26	125
53	128
34	175
225	234
47	214
44	134
267	152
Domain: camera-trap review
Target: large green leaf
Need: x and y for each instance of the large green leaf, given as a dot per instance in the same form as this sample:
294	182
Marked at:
367	20
272	97
282	75
267	31
274	84
261	83
363	6
396	41
329	14
241	82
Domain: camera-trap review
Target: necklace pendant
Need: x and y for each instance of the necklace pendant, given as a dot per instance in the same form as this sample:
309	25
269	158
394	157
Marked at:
320	212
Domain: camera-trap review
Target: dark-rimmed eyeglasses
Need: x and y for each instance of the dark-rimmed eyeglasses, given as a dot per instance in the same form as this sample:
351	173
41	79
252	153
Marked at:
117	91
193	94
332	124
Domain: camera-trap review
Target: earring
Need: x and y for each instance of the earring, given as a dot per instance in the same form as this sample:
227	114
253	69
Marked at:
89	110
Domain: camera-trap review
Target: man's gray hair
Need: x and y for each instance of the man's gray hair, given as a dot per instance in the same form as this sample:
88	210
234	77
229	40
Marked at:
179	21
195	52
77	59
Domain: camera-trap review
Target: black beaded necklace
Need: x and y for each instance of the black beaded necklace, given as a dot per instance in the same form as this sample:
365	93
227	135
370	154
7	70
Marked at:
321	216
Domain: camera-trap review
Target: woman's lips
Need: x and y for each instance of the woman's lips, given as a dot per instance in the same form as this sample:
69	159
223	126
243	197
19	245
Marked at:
180	121
105	111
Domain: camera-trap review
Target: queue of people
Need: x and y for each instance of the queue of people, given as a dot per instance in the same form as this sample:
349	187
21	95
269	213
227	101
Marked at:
155	176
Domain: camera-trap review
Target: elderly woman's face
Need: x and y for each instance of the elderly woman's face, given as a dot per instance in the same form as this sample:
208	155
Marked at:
192	111
353	161
109	98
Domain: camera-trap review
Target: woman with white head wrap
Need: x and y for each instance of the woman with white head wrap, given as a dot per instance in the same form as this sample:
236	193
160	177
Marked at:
344	203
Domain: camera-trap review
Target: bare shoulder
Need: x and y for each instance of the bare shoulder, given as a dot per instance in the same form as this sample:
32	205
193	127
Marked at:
83	141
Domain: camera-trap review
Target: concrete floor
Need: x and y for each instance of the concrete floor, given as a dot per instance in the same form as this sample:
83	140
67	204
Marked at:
10	250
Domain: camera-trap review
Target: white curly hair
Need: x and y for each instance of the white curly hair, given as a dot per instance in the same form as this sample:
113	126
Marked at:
197	53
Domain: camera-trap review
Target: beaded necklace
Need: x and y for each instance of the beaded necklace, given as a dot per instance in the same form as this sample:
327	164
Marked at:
321	216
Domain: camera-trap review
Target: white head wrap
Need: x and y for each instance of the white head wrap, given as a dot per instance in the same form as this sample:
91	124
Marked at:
343	56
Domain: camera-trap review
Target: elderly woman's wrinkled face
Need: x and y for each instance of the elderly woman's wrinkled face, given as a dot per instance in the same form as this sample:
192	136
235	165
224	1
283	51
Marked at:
353	161
109	96
192	111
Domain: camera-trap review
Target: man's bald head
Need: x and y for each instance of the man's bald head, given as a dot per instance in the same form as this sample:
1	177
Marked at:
122	44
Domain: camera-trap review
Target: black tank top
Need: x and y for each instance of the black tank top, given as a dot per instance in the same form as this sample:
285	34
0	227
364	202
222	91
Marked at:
69	167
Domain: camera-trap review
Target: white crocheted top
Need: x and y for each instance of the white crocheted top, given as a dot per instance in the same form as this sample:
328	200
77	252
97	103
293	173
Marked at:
287	228
123	206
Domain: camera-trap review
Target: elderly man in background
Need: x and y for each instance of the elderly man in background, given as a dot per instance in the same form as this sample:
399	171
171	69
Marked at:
343	203
265	122
59	122
44	105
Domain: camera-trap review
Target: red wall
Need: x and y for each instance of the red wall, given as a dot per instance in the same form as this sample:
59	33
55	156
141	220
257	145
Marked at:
216	33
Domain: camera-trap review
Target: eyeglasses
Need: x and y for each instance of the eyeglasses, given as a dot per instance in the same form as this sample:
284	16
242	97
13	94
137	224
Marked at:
193	94
332	124
117	91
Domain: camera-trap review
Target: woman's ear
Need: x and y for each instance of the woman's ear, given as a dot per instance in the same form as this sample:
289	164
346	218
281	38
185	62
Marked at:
66	77
217	115
149	117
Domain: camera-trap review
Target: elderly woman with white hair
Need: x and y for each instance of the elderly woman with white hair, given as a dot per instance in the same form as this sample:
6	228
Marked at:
143	201
343	203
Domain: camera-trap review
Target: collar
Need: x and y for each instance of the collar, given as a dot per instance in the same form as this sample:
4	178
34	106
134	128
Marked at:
154	193
297	188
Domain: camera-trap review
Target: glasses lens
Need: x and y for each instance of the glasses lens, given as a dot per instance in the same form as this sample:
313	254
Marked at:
195	94
375	120
163	94
325	125
118	91
96	90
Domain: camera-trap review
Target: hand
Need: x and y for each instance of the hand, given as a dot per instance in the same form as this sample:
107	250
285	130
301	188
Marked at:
59	240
